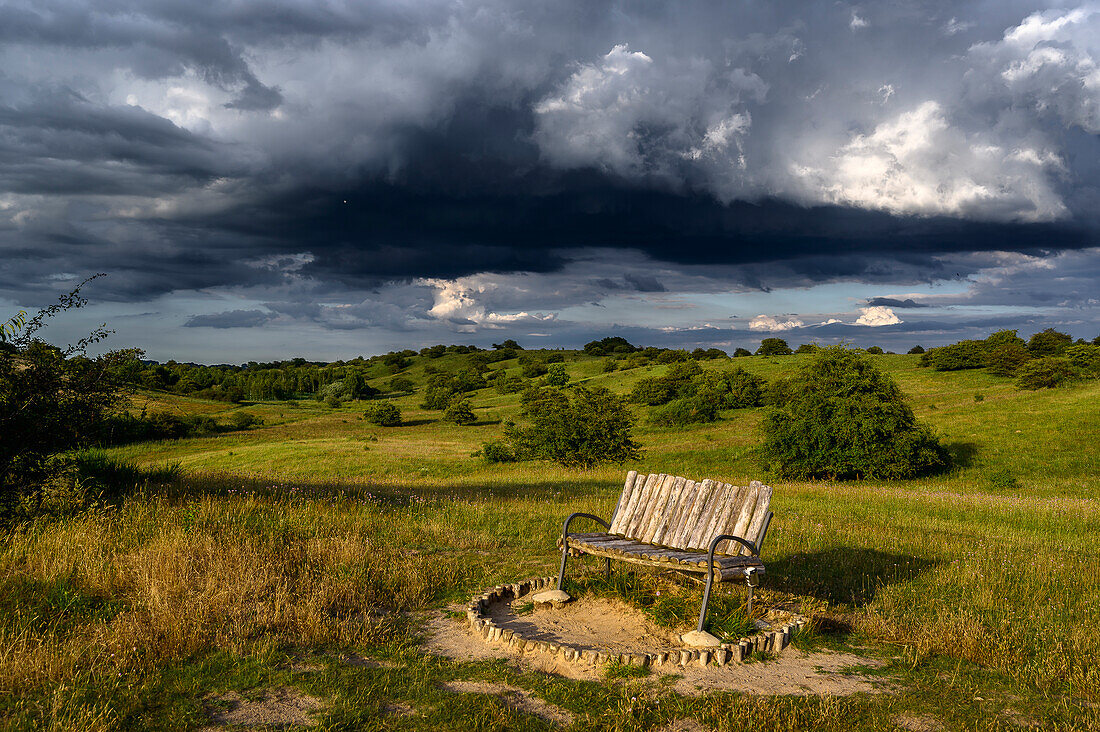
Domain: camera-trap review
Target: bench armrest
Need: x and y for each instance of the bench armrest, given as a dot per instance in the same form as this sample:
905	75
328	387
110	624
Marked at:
565	527
724	537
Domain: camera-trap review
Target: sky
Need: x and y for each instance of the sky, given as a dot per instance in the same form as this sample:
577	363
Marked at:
262	179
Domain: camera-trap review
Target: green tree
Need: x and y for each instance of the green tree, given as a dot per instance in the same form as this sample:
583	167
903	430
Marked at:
843	418
459	412
1049	342
917	349
581	428
52	400
384	414
773	347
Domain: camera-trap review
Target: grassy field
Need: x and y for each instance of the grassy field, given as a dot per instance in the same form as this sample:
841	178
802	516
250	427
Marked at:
319	535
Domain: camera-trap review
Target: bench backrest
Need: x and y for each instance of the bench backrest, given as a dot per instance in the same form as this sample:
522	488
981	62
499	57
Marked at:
684	514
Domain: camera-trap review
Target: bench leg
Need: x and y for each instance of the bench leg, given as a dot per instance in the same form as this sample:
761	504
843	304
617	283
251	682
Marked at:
748	611
607	569
706	598
561	570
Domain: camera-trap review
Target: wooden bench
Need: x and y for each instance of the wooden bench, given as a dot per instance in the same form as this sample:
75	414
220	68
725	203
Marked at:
706	527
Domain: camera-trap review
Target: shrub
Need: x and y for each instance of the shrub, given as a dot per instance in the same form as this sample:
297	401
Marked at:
773	347
556	375
807	348
508	384
875	351
581	428
681	412
533	369
1048	342
244	420
1085	357
497	451
916	349
654	391
384	414
843	418
1005	359
437	397
401	383
673	356
744	389
957	356
741	353
459	412
608	346
1043	373
609	365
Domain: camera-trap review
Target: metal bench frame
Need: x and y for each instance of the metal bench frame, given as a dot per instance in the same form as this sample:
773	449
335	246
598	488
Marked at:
751	574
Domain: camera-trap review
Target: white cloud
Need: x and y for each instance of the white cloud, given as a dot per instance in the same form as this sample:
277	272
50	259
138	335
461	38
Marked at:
1048	63
633	114
876	316
456	302
918	163
773	324
857	22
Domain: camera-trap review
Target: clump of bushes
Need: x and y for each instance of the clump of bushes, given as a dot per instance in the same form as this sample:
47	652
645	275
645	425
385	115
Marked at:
773	347
383	414
682	412
1043	373
843	418
579	428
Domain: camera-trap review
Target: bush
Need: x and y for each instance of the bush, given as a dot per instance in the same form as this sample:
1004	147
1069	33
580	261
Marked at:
609	346
773	347
682	412
508	384
1005	359
807	348
1043	373
459	412
437	397
244	420
496	451
875	351
383	414
741	353
1049	342
843	418
609	365
916	349
533	369
1085	357
400	383
578	429
556	375
957	357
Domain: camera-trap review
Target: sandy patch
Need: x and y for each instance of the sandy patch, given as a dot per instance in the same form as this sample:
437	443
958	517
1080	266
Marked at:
684	724
281	706
589	622
916	723
399	709
354	659
614	626
516	698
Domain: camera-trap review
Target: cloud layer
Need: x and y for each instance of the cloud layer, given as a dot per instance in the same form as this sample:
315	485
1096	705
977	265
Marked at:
374	166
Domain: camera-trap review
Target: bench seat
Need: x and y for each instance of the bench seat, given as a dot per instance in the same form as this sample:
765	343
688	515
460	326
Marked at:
726	568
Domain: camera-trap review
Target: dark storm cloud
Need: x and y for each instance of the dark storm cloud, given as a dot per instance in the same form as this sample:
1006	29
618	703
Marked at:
179	144
229	319
895	303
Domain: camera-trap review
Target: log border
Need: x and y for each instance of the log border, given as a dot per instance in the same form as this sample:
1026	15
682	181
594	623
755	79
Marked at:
770	641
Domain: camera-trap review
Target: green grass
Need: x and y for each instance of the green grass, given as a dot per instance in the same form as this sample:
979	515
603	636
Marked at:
979	587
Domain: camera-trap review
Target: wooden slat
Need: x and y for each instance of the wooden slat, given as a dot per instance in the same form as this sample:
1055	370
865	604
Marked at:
691	521
635	493
681	503
697	537
728	522
676	537
761	511
660	509
721	518
631	530
660	527
624	499
744	516
646	507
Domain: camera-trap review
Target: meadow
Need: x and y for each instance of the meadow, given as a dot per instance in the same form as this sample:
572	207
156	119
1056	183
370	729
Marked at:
269	556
